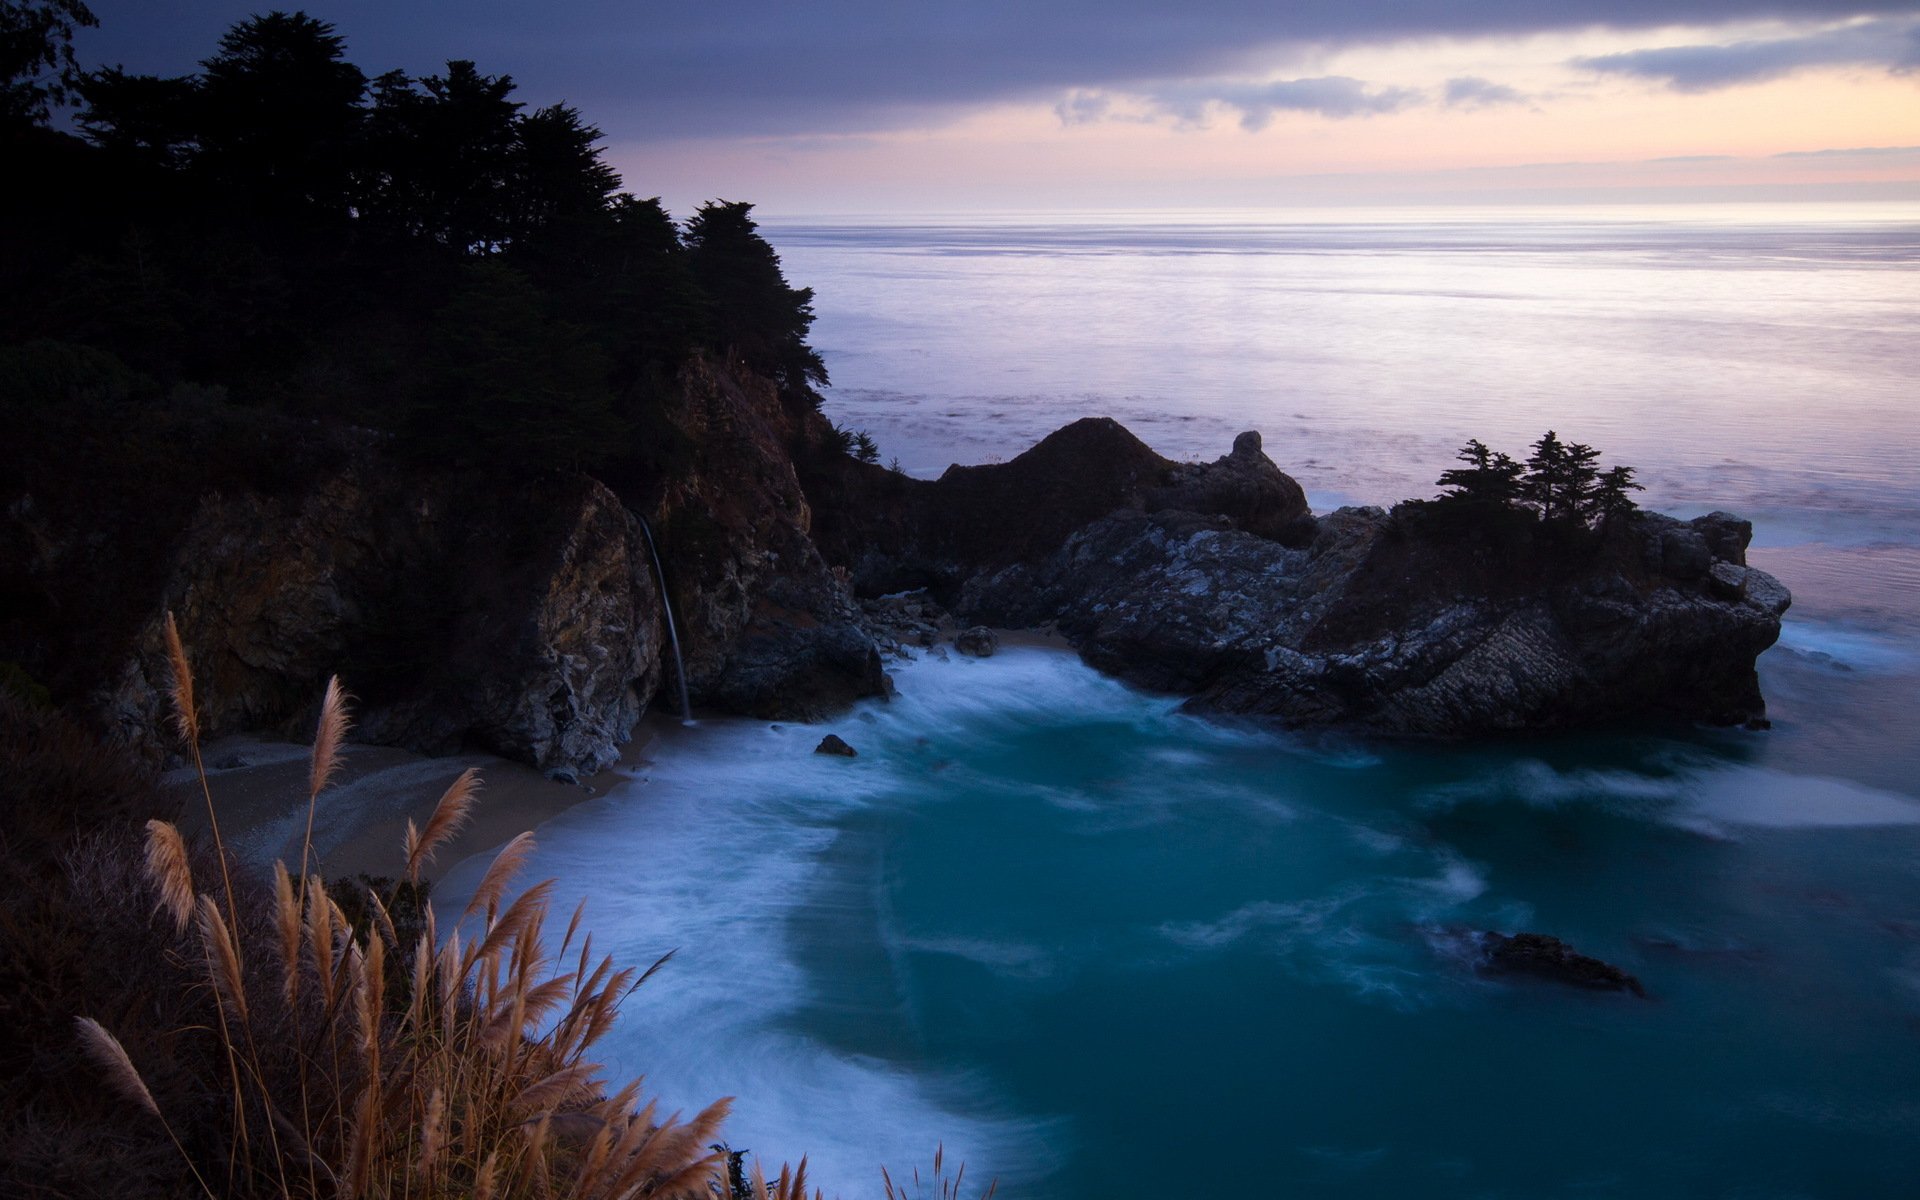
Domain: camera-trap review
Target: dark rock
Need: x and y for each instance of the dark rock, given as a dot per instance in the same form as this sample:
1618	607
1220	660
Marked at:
521	619
1727	581
1368	627
1684	553
770	630
894	534
1549	958
831	744
1727	536
1245	488
977	641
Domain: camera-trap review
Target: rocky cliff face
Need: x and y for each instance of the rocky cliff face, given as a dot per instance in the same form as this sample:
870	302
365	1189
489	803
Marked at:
520	615
770	629
524	620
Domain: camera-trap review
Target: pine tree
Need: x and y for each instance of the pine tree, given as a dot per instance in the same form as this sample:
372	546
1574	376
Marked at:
1488	477
1611	501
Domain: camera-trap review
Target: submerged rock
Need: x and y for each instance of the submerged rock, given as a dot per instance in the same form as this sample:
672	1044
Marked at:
832	744
1550	958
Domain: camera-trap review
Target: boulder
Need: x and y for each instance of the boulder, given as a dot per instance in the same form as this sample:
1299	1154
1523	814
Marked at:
832	744
977	641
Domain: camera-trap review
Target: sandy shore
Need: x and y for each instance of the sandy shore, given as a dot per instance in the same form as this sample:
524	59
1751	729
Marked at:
259	793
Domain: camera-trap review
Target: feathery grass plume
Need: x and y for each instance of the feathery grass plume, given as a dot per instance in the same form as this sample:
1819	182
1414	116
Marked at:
328	738
286	919
449	817
105	1050
186	717
169	873
223	957
320	936
433	1134
493	885
485	1179
327	742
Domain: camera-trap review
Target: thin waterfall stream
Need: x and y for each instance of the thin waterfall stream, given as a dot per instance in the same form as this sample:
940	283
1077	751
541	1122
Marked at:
673	629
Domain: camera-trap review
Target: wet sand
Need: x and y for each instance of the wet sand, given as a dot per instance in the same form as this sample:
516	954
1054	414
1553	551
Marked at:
259	791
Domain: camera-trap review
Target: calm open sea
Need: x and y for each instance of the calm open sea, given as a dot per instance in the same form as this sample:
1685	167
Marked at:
1103	949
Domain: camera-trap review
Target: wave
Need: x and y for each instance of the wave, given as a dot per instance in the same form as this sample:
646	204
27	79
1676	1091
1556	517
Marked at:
1709	799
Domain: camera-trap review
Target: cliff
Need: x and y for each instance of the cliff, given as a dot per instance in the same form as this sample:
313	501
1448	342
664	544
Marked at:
518	614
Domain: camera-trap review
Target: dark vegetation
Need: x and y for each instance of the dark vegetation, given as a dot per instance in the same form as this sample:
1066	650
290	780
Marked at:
428	257
1559	496
239	279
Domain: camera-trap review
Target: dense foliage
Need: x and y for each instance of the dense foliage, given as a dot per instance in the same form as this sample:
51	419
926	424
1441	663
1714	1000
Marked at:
1559	489
427	256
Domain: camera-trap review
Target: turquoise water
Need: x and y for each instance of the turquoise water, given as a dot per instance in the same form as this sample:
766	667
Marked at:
1100	948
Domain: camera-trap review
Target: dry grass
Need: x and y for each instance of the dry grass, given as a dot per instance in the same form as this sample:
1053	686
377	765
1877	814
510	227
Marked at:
473	1080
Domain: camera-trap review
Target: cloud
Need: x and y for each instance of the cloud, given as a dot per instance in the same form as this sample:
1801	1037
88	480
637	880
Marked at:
1471	91
1335	96
1855	152
1892	44
645	70
1083	108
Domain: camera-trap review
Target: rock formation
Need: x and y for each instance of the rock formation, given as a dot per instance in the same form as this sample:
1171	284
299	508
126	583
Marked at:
1214	581
524	620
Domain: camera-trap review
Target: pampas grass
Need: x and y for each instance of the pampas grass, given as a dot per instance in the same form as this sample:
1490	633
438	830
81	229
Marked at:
168	870
474	1081
106	1051
449	817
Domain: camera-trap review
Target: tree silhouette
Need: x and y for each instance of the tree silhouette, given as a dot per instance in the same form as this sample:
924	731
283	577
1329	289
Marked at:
1560	486
1489	477
282	231
1559	479
1611	502
753	311
37	68
281	113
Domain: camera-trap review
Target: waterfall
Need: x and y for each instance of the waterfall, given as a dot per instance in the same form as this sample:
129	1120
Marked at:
673	630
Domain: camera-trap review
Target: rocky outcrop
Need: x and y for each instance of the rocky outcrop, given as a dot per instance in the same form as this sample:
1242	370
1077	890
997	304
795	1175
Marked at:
1216	583
1369	628
833	744
522	620
892	533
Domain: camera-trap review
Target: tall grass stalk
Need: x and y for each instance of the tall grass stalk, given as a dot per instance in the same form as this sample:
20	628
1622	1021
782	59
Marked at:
462	1071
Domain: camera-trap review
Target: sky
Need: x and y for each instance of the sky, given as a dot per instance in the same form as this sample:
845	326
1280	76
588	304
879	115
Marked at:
905	106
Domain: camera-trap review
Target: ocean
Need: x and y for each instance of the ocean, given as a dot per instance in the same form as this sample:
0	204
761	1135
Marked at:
1096	947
